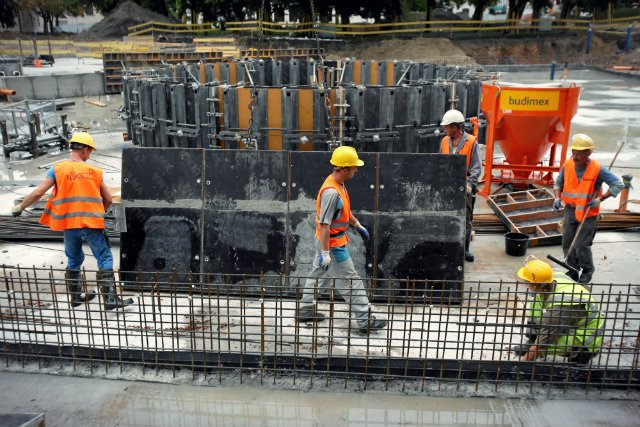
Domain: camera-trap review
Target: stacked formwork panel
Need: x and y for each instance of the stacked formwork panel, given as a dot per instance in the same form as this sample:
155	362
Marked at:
277	103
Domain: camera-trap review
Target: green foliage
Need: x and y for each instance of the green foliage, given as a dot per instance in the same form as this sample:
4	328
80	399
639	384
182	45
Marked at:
8	13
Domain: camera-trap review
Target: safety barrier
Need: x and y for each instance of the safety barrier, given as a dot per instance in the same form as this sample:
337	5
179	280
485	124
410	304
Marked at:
377	29
218	331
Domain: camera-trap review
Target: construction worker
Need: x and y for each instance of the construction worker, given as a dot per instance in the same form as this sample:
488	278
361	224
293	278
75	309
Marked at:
457	141
563	316
579	187
332	259
77	207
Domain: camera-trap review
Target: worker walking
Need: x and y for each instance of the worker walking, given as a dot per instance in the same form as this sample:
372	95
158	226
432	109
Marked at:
77	207
563	316
332	259
579	187
457	141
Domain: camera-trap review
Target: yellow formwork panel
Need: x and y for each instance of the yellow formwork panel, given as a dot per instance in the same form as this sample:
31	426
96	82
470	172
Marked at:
373	73
357	72
305	115
244	113
390	72
274	118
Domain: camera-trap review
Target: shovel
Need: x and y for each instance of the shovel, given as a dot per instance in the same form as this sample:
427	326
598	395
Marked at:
573	245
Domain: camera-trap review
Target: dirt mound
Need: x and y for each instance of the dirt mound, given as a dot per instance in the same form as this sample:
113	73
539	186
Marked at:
417	49
116	24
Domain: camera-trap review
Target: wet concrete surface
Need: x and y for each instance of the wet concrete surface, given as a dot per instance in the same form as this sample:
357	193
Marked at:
69	401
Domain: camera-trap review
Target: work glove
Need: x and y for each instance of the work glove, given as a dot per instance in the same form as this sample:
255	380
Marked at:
363	232
557	204
469	188
594	203
325	260
16	211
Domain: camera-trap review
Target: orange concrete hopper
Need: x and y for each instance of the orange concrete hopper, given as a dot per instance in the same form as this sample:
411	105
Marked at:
527	122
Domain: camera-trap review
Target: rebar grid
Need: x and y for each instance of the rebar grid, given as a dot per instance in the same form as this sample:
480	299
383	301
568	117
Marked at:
218	327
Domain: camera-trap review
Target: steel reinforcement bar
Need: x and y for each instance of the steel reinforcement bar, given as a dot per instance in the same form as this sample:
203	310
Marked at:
212	330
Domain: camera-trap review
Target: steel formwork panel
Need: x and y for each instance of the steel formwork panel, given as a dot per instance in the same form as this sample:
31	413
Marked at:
253	212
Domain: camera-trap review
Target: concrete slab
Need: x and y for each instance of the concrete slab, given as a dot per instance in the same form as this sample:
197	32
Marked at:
70	402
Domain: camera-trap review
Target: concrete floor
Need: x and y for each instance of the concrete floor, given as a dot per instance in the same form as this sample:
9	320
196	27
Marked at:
69	401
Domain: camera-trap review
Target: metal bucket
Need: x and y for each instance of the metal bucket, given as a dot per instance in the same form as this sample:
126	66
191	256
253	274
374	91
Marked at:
515	244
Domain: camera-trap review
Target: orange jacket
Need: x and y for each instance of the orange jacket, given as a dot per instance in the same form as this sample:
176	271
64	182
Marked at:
76	201
338	228
466	148
579	193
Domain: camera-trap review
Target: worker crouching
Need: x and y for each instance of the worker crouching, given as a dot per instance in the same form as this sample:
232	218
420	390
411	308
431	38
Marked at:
332	258
563	316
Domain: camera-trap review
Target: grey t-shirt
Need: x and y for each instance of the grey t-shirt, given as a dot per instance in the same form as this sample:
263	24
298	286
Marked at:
330	206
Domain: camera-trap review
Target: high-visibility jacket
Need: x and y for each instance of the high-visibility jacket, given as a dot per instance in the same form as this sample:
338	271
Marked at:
587	332
338	227
579	193
466	149
76	201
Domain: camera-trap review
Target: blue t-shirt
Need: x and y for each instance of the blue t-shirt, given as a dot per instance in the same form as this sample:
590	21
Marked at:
52	175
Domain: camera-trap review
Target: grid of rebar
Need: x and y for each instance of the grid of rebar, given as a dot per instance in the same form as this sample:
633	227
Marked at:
248	324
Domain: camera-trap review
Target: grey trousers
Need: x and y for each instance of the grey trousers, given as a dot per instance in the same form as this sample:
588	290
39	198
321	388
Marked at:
581	256
348	284
469	201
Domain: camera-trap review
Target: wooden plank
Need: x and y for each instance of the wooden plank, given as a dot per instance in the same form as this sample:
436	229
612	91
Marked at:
532	216
532	204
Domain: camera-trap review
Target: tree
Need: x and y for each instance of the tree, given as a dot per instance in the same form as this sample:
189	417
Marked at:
8	13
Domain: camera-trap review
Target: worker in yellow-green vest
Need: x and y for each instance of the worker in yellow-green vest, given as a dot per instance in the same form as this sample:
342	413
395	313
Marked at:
563	316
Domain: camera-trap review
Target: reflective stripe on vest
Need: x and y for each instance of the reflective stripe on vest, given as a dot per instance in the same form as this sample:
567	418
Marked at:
76	201
579	193
467	148
587	333
338	228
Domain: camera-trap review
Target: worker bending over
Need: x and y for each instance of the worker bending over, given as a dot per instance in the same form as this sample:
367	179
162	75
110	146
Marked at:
563	316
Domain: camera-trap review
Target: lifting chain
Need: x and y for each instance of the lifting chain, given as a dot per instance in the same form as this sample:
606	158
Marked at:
260	28
251	141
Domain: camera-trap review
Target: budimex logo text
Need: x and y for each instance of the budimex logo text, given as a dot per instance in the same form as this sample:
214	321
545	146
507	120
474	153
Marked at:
526	100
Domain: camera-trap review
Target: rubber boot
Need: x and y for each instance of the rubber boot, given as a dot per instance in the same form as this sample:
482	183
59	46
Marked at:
372	326
468	256
107	284
74	286
306	315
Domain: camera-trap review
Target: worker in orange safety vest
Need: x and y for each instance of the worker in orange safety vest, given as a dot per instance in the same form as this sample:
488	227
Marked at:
457	141
579	187
77	207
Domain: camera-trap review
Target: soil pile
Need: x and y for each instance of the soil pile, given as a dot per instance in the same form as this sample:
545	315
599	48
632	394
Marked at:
116	24
417	49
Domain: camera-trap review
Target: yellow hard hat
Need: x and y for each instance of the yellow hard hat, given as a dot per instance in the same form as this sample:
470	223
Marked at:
83	138
582	142
345	156
536	271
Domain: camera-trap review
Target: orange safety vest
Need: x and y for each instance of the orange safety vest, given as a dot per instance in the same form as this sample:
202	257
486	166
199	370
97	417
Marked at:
579	193
338	228
466	148
76	201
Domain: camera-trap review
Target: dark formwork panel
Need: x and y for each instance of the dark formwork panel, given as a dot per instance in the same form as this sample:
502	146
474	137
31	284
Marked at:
225	213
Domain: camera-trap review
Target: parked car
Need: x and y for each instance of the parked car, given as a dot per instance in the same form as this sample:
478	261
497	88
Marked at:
498	9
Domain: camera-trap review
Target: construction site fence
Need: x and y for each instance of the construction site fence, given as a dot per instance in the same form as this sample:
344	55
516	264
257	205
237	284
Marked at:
377	29
245	326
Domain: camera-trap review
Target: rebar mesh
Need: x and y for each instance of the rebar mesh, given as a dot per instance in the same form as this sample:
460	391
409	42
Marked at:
214	327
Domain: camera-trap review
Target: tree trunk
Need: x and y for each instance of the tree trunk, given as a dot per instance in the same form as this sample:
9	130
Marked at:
480	6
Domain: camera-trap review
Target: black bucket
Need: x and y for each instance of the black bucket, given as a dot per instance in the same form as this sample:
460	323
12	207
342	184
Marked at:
515	244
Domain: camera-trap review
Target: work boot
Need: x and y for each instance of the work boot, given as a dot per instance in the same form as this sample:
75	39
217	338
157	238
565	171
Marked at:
468	256
521	349
372	326
74	286
107	283
306	315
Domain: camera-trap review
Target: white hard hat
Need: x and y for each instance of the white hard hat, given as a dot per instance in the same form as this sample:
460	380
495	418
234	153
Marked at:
452	116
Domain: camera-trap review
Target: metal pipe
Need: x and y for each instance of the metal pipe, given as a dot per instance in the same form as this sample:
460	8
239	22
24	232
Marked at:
7	91
34	140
